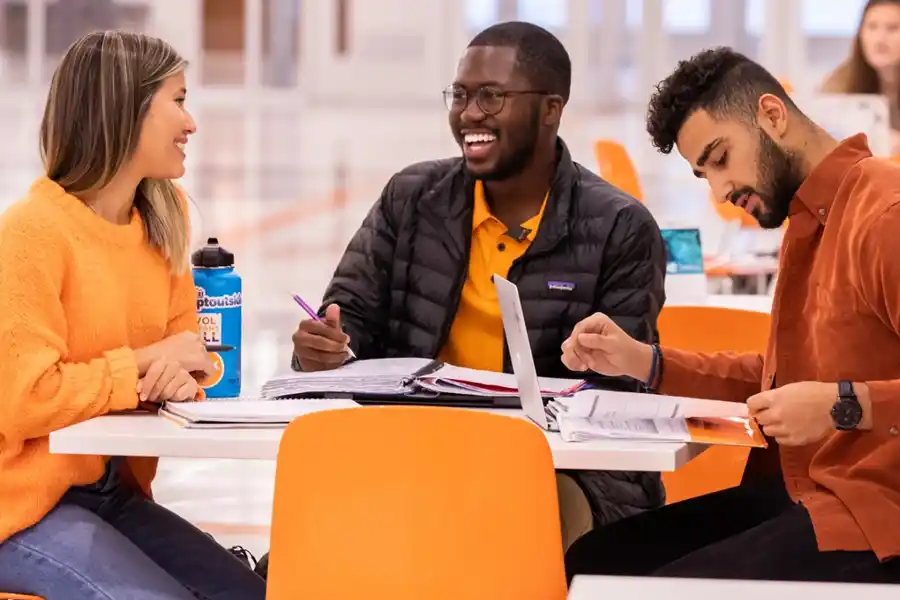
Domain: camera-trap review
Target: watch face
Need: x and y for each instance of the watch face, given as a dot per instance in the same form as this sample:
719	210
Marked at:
846	414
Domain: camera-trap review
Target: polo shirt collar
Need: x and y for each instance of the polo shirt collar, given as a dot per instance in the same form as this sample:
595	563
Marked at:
482	212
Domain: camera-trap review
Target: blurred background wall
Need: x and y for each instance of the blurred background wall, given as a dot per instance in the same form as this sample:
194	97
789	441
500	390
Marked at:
402	51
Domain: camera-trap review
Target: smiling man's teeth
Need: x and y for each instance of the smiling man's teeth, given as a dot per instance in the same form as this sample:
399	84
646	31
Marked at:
180	146
479	138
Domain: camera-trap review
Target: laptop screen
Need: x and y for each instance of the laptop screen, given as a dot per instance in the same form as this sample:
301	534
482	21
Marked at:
684	253
520	351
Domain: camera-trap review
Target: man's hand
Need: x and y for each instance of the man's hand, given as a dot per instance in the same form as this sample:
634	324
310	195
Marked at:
796	414
600	345
321	345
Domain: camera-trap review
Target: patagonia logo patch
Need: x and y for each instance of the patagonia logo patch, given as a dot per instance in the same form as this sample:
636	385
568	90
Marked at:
561	286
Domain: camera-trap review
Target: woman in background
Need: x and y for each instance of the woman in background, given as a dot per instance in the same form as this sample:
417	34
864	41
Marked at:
873	66
97	314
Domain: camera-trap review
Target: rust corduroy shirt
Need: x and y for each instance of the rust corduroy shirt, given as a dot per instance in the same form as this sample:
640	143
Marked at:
836	315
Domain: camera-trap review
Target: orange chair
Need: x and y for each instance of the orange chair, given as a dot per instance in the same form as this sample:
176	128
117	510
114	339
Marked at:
406	503
8	596
615	166
711	329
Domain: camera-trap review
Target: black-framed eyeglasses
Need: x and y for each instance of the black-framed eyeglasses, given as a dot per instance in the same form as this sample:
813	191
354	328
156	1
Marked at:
489	99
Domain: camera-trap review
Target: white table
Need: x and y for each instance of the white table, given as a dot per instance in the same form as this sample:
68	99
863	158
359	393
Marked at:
664	588
152	435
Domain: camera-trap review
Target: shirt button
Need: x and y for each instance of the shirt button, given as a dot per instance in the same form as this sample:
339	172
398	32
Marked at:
501	246
822	212
894	430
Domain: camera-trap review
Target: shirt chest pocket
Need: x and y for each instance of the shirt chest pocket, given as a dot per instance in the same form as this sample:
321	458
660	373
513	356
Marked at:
836	328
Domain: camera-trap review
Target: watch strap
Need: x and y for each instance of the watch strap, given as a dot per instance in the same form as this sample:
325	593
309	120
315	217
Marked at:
845	390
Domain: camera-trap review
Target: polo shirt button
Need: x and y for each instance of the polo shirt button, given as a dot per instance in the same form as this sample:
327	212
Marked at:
894	431
501	246
822	212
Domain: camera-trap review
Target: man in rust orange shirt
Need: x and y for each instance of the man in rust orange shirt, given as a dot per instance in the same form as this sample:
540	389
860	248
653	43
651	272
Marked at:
827	392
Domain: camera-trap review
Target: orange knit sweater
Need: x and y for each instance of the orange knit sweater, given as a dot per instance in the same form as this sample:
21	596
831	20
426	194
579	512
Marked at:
77	295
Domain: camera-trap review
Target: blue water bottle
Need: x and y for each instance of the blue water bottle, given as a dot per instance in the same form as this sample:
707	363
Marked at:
219	314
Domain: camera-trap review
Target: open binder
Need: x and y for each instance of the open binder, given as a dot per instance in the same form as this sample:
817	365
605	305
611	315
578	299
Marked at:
411	378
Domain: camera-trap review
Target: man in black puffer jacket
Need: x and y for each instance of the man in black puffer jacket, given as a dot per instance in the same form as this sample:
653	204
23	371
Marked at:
415	278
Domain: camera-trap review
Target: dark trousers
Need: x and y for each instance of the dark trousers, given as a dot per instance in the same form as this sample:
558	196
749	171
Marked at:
747	532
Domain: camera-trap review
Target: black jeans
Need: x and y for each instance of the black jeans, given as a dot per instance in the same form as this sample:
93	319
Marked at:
747	532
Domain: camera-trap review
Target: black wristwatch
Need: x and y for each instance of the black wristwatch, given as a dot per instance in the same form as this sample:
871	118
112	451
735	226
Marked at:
847	411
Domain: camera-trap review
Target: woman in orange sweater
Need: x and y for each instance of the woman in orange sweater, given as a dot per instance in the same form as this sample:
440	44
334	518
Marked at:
98	313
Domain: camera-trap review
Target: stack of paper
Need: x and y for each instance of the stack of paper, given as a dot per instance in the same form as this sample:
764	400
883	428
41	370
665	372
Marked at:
599	414
238	414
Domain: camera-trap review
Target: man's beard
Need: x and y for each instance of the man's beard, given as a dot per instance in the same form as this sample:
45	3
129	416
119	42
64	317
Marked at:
780	175
520	157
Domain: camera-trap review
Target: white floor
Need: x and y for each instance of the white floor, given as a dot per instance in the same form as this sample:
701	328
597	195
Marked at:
284	187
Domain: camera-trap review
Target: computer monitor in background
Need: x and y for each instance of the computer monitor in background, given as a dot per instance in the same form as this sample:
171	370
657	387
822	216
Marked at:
685	277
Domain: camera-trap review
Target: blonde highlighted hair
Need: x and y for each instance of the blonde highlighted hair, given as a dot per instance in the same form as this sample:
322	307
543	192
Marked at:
99	97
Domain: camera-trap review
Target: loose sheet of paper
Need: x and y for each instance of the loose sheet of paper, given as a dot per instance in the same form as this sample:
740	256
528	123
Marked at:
621	406
579	429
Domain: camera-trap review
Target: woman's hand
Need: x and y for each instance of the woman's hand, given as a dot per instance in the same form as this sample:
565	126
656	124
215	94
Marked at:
185	348
167	381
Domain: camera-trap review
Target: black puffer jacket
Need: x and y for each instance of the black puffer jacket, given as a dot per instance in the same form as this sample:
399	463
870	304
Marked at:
400	280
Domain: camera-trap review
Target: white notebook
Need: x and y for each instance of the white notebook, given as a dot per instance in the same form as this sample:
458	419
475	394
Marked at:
226	414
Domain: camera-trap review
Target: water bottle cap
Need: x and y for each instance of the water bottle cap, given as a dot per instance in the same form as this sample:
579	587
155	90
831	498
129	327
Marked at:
212	256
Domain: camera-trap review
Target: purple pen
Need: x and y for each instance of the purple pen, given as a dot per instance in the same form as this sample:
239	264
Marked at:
312	314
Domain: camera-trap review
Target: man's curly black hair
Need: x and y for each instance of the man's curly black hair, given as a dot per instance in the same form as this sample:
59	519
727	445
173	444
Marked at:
724	83
540	55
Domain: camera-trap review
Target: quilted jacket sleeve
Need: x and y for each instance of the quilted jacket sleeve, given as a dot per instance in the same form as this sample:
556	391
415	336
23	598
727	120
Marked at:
632	284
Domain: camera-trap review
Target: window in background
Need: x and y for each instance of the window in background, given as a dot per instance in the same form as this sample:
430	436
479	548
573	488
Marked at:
550	14
754	16
222	42
281	44
831	18
595	11
686	17
634	14
13	42
342	34
480	14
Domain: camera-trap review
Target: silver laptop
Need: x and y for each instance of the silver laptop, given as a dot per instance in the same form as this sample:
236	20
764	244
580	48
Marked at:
520	354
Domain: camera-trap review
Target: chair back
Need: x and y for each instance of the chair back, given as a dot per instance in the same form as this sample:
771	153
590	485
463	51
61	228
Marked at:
410	502
615	166
711	329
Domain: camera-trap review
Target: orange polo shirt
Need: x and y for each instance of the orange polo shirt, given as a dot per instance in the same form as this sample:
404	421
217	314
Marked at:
476	336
